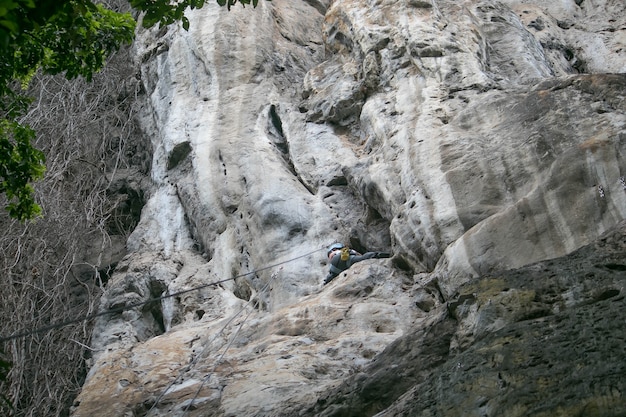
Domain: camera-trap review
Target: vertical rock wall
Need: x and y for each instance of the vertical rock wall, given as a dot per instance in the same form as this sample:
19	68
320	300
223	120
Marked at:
465	136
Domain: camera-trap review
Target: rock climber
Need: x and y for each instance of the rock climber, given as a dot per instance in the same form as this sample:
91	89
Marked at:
342	257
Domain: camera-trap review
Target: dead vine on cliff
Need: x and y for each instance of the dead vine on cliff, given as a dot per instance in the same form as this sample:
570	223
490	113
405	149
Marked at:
50	268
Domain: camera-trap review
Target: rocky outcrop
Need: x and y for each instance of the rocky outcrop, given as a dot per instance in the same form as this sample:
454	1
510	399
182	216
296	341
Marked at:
542	340
468	137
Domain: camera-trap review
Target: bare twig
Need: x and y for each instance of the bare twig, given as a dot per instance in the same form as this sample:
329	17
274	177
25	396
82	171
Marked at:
84	130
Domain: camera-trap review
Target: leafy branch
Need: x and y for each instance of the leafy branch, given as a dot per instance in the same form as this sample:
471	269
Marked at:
74	37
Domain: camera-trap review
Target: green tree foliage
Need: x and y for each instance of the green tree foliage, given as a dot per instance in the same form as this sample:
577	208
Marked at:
74	37
19	164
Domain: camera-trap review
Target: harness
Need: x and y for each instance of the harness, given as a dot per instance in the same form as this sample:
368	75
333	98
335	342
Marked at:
339	263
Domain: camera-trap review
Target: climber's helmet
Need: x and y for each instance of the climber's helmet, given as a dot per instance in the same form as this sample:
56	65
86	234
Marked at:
334	247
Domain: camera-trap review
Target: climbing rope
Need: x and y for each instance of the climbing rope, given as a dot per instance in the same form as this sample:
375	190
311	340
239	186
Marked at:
120	309
202	353
221	357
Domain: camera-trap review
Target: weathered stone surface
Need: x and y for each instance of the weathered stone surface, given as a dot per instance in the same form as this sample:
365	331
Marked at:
467	137
244	360
571	164
543	340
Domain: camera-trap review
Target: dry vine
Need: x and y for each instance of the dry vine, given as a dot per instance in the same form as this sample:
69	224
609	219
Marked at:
52	269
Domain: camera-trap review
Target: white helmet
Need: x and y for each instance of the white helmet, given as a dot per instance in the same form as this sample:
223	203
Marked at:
333	247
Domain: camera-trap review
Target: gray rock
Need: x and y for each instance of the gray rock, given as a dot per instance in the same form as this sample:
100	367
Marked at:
543	339
467	139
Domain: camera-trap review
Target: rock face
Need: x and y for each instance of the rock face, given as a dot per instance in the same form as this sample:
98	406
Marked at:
542	340
467	137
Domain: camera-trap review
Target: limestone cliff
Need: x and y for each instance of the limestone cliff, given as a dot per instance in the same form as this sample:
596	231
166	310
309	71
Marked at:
467	137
